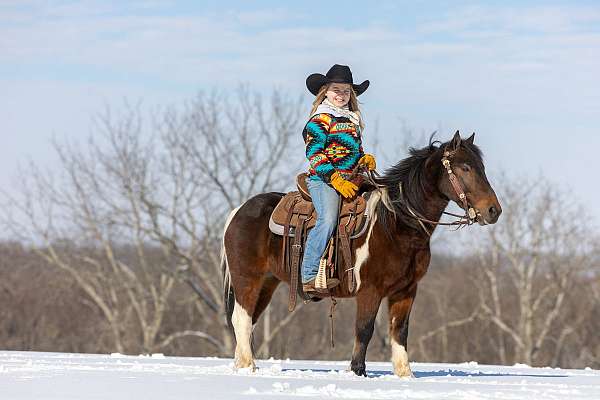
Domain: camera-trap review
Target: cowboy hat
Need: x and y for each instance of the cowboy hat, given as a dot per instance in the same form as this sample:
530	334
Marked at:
336	74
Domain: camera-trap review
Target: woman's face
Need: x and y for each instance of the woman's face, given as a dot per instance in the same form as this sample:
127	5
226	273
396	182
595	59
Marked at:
339	93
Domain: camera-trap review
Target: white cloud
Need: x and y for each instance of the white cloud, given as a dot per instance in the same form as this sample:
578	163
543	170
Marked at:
510	71
468	47
259	18
508	20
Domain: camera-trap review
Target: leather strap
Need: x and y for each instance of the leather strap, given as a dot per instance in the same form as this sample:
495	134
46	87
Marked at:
330	262
295	261
286	229
303	295
350	269
458	189
347	255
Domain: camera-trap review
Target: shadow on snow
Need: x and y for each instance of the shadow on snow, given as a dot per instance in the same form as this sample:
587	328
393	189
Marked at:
429	374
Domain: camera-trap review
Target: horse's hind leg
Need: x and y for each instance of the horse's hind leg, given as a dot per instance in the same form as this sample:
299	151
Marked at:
245	302
264	298
246	253
246	312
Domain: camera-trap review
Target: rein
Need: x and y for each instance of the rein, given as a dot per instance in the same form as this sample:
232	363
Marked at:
468	218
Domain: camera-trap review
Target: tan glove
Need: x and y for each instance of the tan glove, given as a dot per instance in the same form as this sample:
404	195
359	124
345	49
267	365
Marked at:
369	161
345	187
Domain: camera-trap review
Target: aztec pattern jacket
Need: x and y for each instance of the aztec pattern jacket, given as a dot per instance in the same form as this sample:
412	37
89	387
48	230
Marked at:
332	144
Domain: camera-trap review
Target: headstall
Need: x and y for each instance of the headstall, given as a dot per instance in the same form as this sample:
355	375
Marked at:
468	218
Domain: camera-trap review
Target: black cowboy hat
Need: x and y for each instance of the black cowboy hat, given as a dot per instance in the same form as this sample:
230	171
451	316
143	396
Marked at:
338	74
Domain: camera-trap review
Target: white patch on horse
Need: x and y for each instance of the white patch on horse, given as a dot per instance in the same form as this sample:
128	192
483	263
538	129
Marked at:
223	249
242	325
387	202
362	253
229	218
400	360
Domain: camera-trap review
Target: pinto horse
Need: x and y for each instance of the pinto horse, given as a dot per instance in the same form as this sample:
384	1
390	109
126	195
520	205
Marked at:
390	258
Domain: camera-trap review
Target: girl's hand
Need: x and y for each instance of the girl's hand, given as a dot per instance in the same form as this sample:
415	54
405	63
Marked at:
369	161
343	186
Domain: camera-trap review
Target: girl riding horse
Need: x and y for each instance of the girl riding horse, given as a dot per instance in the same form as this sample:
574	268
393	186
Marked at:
333	137
392	256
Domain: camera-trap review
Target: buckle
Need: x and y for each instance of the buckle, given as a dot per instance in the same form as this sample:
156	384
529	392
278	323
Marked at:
472	213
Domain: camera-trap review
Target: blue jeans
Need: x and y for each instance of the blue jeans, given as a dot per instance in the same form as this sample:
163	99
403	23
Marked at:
326	201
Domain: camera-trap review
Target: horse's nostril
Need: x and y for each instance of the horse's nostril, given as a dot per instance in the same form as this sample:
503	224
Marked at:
492	211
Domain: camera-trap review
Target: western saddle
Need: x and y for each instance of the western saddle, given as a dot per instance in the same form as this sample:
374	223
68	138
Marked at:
295	215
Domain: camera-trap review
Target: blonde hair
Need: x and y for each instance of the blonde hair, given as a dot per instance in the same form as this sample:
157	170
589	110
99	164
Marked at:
352	104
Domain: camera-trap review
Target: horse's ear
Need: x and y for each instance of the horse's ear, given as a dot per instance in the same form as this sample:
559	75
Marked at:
455	144
471	138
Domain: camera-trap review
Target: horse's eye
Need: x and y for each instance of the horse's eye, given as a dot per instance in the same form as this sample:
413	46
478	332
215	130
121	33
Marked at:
465	167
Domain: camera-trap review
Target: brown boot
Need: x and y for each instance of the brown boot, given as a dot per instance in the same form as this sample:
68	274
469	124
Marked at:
309	287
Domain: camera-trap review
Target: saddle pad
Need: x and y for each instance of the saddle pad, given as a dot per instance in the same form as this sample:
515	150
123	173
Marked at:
357	208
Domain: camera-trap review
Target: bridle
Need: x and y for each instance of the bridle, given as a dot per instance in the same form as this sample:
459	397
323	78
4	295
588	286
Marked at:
471	214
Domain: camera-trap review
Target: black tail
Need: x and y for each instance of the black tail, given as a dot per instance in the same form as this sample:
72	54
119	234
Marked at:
228	295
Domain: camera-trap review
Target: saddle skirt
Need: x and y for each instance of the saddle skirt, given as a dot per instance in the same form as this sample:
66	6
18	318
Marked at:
295	214
294	206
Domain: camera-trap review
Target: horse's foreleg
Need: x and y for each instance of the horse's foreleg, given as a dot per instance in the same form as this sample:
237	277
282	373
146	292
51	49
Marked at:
400	305
367	305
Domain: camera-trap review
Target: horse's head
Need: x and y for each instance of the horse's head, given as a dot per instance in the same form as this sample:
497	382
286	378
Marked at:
463	172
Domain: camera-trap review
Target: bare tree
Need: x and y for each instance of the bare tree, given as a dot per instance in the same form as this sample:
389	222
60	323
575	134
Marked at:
530	265
79	221
163	190
519	291
219	154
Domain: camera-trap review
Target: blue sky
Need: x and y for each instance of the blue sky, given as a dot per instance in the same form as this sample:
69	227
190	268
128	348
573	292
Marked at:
523	75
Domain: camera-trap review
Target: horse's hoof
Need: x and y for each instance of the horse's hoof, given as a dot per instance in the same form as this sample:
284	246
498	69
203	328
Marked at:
245	364
360	370
404	373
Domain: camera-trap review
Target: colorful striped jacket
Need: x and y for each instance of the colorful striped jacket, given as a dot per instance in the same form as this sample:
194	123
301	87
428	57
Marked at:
332	144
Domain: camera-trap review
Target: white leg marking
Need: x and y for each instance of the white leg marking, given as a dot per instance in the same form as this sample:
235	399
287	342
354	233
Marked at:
362	253
242	325
400	360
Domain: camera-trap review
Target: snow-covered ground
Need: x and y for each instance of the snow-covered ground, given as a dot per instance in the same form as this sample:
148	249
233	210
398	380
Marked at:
61	376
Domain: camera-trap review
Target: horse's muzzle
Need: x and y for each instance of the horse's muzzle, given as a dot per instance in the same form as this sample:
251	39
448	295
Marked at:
489	215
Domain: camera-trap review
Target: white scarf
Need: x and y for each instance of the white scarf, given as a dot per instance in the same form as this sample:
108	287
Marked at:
328	107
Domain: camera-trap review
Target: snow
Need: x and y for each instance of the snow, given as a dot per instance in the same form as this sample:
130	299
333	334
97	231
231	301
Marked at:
62	376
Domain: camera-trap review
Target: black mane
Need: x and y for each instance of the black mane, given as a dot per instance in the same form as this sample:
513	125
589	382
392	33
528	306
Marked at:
410	174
